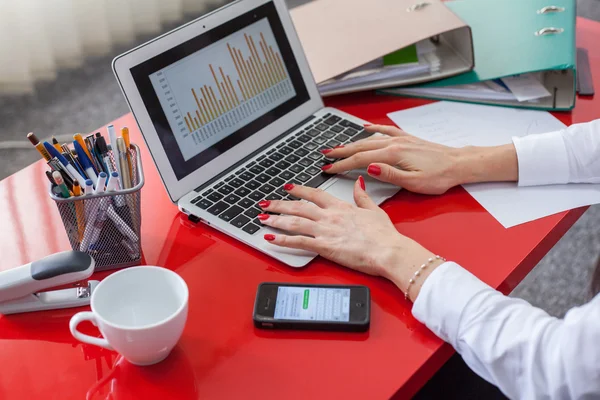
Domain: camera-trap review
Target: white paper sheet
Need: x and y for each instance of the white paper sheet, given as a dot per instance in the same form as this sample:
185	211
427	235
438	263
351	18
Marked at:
458	124
526	87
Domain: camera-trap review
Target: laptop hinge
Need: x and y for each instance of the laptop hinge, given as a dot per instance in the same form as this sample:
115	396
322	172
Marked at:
259	150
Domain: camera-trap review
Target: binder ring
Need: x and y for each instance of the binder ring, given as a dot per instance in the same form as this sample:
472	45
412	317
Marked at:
418	6
549	31
550	9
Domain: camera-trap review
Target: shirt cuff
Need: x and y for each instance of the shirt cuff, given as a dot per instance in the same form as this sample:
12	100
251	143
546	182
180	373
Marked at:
443	297
542	158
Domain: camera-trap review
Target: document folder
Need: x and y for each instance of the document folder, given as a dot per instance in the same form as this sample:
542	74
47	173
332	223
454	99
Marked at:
339	36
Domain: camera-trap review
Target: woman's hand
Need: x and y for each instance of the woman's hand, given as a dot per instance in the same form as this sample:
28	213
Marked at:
421	166
361	237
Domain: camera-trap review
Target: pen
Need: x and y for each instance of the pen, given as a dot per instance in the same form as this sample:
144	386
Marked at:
61	184
89	187
111	186
39	146
49	176
122	152
54	153
73	161
103	150
125	134
79	210
79	139
112	136
100	184
85	162
56	144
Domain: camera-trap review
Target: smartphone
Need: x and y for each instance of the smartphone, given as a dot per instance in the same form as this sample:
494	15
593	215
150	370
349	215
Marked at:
313	307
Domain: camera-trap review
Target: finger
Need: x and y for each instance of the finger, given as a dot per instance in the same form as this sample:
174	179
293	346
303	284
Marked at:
357	147
297	208
386	130
389	174
295	242
316	196
361	198
286	223
359	160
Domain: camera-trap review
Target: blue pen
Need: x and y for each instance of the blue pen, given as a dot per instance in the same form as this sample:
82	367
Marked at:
54	153
85	162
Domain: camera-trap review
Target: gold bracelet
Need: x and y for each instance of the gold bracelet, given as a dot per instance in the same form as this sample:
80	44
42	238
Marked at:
418	272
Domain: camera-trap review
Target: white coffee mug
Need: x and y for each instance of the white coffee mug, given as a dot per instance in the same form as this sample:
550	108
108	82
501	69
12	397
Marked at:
140	311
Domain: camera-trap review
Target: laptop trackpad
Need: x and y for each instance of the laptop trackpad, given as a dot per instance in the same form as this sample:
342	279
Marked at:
343	188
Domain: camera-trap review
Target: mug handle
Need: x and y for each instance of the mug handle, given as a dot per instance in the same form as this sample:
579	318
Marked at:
87	316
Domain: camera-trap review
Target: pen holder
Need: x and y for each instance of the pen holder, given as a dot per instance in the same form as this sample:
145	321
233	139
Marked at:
107	226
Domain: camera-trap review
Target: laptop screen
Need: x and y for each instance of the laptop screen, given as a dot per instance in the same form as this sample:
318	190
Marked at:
210	93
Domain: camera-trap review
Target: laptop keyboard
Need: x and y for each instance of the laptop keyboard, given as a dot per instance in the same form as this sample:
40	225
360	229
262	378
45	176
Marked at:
296	160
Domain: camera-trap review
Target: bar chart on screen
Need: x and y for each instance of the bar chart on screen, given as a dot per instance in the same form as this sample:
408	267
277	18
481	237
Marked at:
213	92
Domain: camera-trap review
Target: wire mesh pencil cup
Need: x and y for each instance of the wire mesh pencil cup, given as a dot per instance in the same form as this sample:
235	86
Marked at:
107	226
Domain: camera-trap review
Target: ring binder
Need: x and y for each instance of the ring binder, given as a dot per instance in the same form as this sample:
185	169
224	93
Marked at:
549	31
550	9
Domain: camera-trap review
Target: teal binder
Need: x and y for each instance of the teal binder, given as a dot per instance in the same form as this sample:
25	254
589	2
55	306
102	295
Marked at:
515	37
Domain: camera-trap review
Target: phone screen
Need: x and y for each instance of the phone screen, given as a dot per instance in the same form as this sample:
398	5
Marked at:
312	303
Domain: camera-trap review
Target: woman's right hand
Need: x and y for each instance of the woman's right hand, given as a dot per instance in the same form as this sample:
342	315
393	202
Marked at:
401	159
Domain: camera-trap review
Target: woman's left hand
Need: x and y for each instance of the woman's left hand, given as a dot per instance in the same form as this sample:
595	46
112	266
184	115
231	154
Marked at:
360	236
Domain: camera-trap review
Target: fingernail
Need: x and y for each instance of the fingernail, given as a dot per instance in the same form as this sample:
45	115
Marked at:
264	203
325	151
365	125
326	167
288	186
361	182
263	217
269	237
374	170
339	147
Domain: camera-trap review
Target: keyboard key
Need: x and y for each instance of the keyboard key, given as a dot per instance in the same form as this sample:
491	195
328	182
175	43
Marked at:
274	196
302	177
250	164
281	191
236	183
313	170
246	176
320	140
276	182
318	180
286	175
312	132
304	138
282	164
229	178
345	123
362	135
301	152
310	146
271	151
252	185
256	169
195	200
218	185
286	150
334	119
209	191
266	188
333	143
232	199
296	168
263	178
295	144
292	158
204	204
351	132
266	163
305	162
337	128
246	203
252	212
231	213
276	156
273	171
218	208
261	158
215	196
280	145
320	163
256	196
341	138
251	229
242	192
328	135
240	221
321	127
315	156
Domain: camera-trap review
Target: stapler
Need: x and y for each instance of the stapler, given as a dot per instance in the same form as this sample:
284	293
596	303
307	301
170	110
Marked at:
20	288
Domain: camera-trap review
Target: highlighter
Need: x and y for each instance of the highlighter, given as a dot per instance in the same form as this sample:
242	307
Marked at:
39	146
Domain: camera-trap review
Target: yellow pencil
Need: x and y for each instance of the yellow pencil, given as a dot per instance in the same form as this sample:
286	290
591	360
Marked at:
39	146
125	134
56	145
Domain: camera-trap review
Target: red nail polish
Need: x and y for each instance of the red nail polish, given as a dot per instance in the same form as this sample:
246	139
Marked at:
326	167
269	237
365	125
339	147
325	151
374	170
361	182
262	217
288	186
264	203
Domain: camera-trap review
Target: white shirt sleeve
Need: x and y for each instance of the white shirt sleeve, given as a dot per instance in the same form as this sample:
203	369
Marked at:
513	345
571	155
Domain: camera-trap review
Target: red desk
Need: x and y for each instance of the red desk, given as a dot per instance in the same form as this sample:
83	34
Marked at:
221	354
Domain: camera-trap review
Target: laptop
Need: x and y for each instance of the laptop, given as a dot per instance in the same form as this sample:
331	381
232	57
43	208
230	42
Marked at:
230	112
